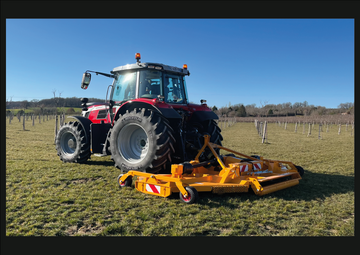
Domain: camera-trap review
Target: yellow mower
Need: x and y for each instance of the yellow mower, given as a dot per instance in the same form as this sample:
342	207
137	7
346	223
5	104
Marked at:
223	174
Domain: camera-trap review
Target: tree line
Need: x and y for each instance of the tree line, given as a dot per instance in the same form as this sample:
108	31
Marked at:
48	106
281	110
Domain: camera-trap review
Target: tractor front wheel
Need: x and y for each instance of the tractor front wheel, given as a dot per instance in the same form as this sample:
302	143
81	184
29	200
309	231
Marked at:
71	143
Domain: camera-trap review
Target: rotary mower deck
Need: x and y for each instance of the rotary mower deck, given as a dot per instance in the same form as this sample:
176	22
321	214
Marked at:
223	174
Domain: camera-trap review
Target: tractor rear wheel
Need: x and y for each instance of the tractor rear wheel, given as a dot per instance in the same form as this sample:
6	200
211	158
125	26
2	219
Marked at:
141	141
71	143
205	127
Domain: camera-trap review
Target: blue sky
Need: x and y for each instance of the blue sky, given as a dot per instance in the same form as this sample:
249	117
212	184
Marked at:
231	61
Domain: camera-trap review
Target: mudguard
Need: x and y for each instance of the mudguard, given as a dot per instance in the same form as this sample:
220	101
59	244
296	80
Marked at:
85	123
203	115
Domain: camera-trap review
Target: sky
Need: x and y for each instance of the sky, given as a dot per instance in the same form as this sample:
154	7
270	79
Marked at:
231	61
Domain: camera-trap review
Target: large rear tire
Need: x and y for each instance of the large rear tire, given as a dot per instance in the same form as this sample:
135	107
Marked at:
142	141
205	127
71	143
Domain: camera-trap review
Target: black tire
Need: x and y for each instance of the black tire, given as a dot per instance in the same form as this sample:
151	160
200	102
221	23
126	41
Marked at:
211	128
71	143
141	141
300	170
192	197
126	183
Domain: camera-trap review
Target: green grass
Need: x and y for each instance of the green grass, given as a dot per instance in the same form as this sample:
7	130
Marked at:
45	197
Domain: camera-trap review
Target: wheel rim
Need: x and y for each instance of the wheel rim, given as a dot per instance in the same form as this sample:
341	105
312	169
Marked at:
123	183
68	143
186	199
133	143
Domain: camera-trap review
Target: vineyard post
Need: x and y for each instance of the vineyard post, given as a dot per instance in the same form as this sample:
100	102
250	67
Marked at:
260	129
266	135
347	123
303	128
56	127
309	132
339	129
327	127
33	119
264	132
10	117
296	127
39	118
319	136
24	121
285	125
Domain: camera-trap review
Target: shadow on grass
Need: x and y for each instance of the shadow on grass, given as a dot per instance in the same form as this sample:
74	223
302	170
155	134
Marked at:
313	186
318	186
99	163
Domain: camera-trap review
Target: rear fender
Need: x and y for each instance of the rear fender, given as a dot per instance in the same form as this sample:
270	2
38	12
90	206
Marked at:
203	115
85	123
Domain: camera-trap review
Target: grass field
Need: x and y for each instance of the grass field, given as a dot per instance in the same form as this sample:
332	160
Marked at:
45	197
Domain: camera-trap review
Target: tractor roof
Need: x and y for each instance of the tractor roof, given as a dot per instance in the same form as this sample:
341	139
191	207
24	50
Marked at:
155	66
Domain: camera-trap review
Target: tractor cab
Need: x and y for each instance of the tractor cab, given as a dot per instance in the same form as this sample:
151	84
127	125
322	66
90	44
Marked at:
149	80
150	83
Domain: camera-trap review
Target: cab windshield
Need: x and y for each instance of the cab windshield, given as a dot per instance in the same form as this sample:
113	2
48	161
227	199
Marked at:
151	83
124	87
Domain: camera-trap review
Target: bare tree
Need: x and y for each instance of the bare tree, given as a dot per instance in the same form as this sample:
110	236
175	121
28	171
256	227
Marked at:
263	107
56	98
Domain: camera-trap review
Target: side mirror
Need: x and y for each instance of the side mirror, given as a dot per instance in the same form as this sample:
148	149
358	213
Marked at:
85	80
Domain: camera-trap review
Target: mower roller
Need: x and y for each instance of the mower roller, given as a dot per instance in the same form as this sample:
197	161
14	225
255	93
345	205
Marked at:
223	174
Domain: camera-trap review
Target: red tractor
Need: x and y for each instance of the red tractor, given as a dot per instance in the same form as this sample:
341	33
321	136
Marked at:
146	125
